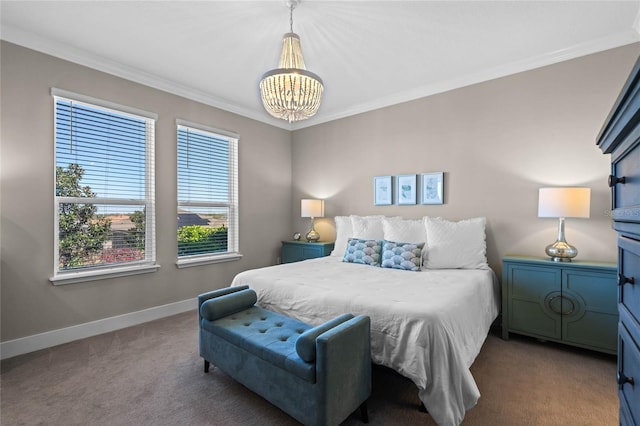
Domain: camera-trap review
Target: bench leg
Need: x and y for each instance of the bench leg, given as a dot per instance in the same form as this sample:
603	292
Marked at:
206	366
364	415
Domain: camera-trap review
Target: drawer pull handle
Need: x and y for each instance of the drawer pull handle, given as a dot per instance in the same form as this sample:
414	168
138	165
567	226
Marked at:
549	304
622	280
614	179
561	312
622	379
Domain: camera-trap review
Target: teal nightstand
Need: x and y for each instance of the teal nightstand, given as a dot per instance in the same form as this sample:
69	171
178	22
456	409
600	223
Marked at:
295	251
567	302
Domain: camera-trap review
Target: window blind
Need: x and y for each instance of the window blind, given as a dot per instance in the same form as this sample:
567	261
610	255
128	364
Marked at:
207	192
104	194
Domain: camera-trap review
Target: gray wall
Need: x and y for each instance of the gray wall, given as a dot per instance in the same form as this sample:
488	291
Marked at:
30	304
497	142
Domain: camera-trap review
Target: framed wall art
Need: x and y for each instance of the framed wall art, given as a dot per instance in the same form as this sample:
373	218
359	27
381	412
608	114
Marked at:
383	190
406	189
432	188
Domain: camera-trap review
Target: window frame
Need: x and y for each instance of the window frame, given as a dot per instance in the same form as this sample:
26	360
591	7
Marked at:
233	240
149	264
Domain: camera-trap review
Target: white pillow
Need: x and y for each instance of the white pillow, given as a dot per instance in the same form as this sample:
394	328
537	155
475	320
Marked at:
456	245
367	227
344	231
405	230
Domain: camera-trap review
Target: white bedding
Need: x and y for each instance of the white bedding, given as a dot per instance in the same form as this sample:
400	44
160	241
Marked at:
429	326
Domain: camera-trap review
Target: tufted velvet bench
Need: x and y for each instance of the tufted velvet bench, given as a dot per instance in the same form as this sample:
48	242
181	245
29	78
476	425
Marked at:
318	375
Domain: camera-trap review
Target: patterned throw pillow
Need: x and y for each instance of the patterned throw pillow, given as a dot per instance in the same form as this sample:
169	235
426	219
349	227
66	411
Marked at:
366	252
407	256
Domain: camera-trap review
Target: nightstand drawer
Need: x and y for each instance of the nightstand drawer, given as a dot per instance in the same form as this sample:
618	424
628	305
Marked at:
592	301
529	290
295	251
629	277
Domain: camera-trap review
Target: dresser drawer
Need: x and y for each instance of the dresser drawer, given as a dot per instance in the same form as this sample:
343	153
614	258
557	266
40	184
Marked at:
626	195
625	413
629	276
628	367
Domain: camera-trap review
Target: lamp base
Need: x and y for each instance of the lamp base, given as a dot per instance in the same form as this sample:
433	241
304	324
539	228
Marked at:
561	251
312	236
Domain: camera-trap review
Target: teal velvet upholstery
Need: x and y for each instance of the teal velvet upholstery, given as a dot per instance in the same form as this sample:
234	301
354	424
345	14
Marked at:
258	348
228	304
306	343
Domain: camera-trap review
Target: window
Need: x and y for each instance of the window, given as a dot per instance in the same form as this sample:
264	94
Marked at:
104	189
207	195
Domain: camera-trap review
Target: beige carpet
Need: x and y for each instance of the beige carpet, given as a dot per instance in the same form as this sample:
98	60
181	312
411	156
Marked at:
152	375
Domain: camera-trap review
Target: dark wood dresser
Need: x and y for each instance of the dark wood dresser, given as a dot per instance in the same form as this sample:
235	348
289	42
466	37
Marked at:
620	137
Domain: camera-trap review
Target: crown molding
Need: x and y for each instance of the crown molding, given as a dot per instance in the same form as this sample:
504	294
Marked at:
629	36
82	57
99	63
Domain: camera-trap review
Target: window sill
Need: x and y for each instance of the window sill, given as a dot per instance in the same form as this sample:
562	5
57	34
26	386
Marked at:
207	259
83	276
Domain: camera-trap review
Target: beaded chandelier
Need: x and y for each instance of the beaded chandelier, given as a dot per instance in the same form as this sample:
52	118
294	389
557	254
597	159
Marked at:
290	92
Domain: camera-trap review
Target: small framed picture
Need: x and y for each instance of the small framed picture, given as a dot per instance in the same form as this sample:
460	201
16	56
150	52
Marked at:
382	190
432	188
406	189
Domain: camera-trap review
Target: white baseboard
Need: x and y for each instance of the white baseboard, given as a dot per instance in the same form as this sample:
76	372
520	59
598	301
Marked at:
48	339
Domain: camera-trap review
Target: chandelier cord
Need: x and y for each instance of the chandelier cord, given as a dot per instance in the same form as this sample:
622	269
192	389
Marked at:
291	17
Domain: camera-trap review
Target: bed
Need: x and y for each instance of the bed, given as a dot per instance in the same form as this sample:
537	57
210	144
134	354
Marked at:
427	325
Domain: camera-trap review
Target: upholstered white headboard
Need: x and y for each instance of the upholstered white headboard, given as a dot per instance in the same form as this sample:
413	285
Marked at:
447	244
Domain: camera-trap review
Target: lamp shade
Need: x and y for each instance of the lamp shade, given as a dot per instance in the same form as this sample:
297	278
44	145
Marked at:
312	208
564	202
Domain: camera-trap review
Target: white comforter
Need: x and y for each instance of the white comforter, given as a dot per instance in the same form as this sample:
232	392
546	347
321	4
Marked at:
429	326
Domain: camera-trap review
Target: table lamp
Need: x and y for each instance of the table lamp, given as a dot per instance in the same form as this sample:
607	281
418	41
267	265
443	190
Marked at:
312	209
563	203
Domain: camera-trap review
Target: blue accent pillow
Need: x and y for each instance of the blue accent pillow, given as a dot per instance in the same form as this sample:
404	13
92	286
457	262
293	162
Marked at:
366	252
406	256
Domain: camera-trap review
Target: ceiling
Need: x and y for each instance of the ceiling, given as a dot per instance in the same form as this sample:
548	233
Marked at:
370	54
